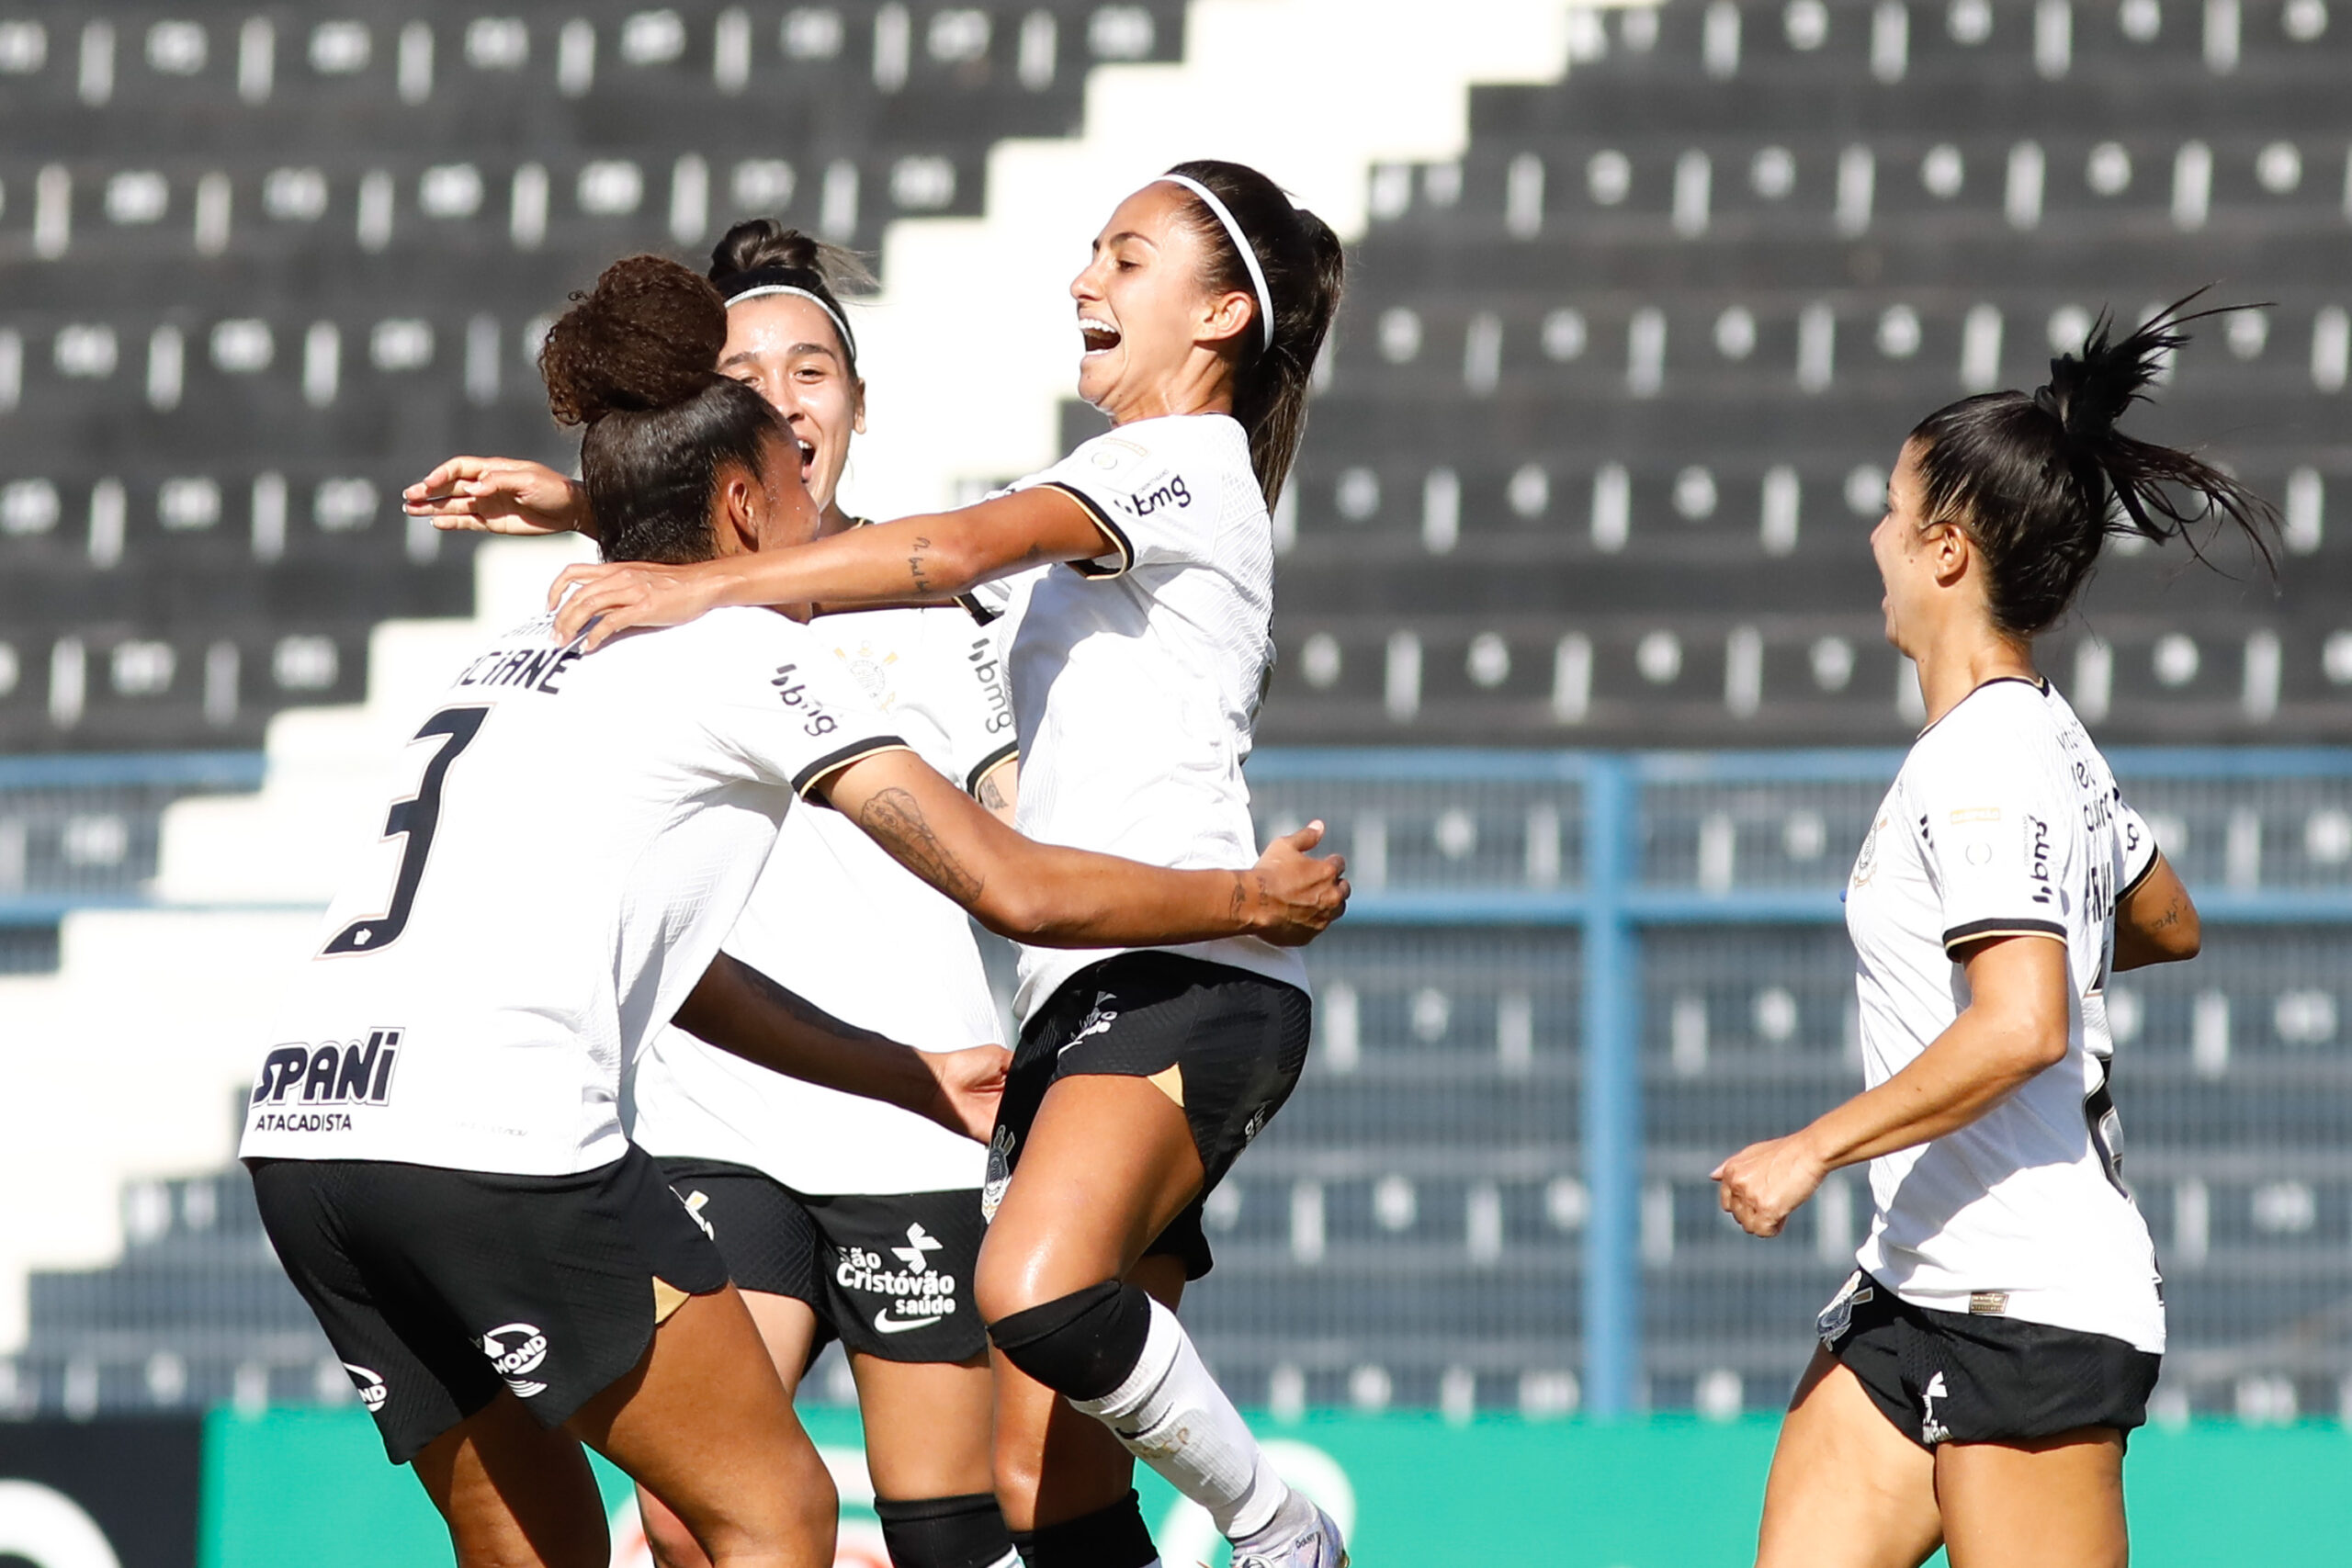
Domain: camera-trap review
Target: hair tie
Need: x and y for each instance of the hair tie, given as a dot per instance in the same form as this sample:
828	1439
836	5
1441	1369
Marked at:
762	281
1240	242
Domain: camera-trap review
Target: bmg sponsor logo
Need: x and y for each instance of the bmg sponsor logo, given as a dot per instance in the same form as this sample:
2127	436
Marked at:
306	1088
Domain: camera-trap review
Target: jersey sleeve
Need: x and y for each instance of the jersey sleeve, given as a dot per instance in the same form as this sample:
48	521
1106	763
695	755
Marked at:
1149	508
1991	836
975	709
2140	851
788	711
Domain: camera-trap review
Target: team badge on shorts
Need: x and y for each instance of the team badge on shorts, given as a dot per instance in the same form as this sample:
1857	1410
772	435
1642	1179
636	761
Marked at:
1839	1315
999	1174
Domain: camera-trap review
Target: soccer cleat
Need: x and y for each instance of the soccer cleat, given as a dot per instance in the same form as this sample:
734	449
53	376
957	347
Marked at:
1318	1546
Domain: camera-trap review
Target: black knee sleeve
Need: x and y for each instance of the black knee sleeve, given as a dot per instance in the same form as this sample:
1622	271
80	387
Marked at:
1082	1346
1114	1537
944	1532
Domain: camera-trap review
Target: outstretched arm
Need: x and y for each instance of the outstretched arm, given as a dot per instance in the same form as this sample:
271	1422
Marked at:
2015	1026
742	1011
1051	897
915	560
499	495
2156	921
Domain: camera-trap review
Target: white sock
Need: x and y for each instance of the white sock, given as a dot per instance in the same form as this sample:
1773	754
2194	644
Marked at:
1171	1414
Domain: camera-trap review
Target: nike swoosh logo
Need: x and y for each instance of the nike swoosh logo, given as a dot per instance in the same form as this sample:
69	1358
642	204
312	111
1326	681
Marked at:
886	1324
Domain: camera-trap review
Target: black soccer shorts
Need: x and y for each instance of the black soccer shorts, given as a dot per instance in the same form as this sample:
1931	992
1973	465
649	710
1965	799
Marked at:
889	1276
437	1288
1957	1377
1226	1044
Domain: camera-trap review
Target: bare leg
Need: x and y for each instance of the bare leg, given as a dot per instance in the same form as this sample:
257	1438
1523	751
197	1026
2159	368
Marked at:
514	1493
788	1327
703	1423
1108	1162
1053	1465
926	1426
2050	1502
1847	1489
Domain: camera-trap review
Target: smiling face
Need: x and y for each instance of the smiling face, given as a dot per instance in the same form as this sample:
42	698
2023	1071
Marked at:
769	509
1154	333
787	349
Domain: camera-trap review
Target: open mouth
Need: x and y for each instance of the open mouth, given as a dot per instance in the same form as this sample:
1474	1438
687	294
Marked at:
1100	337
808	457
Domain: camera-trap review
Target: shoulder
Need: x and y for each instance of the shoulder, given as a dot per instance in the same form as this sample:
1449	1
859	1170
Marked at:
1151	449
2002	736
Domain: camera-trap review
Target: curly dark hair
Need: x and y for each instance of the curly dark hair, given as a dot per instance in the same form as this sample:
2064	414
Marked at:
632	361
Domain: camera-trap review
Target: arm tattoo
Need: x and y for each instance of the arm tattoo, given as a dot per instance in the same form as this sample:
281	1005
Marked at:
914	566
895	822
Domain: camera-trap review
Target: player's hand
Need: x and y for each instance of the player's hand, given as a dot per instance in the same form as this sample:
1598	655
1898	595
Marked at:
1765	1183
1292	896
498	495
969	1085
621	594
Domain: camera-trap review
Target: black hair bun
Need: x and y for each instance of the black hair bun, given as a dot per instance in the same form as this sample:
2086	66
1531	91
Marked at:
759	242
647	336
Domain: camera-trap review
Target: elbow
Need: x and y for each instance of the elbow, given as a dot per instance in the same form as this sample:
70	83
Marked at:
1013	912
2186	941
959	562
2042	1048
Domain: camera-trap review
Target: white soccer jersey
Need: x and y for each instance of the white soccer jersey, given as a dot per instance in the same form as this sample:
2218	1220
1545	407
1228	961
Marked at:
578	834
1137	676
838	922
2004	820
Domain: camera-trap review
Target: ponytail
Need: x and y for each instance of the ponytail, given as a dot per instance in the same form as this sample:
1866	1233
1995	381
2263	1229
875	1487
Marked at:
2039	482
1305	272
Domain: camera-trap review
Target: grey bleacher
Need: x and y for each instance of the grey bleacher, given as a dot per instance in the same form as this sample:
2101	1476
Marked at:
1604	421
259	268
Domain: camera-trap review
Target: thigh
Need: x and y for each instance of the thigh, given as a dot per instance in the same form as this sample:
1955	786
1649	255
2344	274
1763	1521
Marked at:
1052	1463
1107	1164
927	1426
514	1493
1847	1489
789	1328
2052	1502
703	1423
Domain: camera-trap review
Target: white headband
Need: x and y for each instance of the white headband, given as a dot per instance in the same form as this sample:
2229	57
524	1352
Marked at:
1240	242
848	342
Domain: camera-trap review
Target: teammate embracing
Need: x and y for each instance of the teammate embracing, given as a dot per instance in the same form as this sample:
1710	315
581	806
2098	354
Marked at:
840	1217
1979	1374
435	1141
1140	591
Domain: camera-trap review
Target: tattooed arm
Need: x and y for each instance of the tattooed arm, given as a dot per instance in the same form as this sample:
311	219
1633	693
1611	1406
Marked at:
2156	921
1052	897
916	560
740	1010
999	790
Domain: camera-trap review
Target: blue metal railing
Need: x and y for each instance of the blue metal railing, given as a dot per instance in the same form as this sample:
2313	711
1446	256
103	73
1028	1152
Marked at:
1610	846
1619	892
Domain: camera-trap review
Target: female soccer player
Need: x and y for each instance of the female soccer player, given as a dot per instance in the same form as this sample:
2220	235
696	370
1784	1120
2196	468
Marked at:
839	1217
1140	652
1978	1374
436	1148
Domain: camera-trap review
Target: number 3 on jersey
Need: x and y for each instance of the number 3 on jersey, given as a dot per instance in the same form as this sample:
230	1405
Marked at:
415	818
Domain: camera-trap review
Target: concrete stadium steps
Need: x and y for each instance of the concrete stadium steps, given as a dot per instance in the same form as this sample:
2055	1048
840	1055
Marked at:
139	1044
